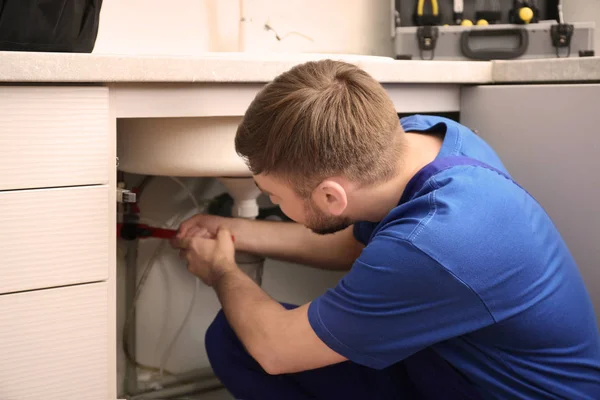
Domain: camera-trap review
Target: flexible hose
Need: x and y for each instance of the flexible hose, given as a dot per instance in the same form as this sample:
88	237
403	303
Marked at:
131	311
169	350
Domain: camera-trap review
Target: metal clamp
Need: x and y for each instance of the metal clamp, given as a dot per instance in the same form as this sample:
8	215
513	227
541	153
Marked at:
561	35
427	38
125	195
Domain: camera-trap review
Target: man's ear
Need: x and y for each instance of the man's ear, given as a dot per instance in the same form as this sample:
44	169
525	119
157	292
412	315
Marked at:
330	196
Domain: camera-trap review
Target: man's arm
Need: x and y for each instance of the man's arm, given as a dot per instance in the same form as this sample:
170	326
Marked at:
289	241
285	241
281	341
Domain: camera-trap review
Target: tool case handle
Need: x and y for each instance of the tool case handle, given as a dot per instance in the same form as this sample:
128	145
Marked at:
494	54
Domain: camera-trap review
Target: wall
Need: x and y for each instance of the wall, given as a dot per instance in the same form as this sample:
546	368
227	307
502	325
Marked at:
584	11
154	27
191	27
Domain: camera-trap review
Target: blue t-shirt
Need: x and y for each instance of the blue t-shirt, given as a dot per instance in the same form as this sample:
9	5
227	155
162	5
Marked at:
471	266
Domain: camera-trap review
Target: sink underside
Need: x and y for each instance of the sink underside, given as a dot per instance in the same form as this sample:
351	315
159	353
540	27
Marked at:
180	147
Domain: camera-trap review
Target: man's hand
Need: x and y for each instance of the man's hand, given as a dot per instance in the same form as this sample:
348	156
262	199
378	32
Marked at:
208	258
206	222
279	240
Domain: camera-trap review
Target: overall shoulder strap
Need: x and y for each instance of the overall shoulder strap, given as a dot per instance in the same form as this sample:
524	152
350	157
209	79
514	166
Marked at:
442	164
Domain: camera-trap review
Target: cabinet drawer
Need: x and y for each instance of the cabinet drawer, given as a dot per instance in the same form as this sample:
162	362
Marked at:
53	237
54	344
53	136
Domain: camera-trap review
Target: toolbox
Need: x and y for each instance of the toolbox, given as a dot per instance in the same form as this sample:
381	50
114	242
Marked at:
488	30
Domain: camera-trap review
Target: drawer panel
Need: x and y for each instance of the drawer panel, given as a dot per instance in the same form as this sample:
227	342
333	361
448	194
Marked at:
53	136
54	344
53	237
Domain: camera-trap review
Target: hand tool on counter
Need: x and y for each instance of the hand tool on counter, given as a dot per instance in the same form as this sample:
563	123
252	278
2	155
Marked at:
524	12
420	18
458	11
487	12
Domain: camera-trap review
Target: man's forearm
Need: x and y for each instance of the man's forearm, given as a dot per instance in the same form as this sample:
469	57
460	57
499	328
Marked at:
293	242
251	313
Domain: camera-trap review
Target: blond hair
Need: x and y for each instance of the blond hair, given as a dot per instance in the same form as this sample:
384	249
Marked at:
321	119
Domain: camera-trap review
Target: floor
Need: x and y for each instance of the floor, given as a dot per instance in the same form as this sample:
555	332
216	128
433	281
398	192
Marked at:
216	395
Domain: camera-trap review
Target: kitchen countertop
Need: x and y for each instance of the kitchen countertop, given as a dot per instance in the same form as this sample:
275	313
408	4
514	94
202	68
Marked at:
246	67
220	67
547	70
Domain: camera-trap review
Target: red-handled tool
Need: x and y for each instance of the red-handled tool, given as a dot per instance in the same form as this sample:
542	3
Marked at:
133	231
142	231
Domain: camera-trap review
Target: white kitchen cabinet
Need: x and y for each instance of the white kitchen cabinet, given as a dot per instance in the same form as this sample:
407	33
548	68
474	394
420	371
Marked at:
53	136
549	138
53	237
53	344
57	243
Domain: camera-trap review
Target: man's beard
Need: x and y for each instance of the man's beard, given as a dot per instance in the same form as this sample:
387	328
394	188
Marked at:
323	224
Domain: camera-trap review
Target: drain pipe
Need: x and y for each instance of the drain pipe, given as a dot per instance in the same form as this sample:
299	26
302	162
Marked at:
245	193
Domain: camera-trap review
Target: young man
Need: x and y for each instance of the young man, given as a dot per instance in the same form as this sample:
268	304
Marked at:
459	285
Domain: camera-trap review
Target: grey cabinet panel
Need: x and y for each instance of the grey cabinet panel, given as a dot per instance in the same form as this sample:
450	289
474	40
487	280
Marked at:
549	139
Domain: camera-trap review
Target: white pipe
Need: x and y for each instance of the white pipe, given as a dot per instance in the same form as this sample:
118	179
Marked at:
244	193
197	375
188	388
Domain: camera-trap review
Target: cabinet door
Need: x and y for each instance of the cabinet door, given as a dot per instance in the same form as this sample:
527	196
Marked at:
53	344
54	237
53	136
549	139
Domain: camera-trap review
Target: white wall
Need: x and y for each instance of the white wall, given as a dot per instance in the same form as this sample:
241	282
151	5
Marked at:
177	27
584	11
192	27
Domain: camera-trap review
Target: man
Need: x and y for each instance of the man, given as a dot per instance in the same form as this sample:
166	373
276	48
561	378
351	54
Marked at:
459	285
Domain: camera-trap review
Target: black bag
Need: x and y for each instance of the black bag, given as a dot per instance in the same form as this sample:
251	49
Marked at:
49	25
